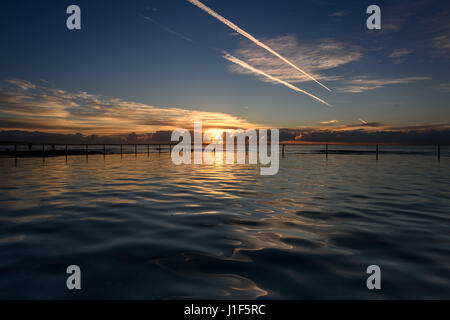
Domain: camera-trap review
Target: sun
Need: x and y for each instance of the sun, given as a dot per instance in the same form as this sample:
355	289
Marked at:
213	135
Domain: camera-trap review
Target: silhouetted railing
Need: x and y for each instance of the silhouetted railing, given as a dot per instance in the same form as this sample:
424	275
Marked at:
36	149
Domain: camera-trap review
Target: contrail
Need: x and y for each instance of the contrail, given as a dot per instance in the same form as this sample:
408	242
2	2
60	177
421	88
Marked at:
245	65
167	29
250	37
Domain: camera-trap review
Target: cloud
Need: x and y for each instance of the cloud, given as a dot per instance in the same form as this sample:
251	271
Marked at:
431	133
400	52
426	136
324	55
62	138
364	125
401	60
438	32
442	43
417	134
338	15
272	78
38	107
25	102
443	87
253	39
329	122
24	85
379	127
397	14
426	133
421	127
363	83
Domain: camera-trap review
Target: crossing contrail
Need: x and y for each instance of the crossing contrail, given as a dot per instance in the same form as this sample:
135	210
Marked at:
251	38
245	65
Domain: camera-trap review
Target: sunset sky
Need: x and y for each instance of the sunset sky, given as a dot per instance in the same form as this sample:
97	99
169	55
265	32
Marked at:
142	66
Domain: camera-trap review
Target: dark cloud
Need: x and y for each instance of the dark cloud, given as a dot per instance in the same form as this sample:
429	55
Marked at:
366	124
46	137
429	136
407	135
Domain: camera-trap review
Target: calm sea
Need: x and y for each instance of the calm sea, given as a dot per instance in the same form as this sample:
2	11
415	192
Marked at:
140	227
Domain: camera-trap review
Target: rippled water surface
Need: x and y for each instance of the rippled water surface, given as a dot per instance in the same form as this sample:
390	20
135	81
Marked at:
142	228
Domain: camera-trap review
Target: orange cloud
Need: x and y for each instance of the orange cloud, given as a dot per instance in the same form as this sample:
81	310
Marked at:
36	107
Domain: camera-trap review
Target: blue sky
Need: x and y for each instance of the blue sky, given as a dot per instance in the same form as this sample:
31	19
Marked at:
169	55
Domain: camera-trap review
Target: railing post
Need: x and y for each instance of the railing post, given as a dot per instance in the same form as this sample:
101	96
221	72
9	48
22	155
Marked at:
135	149
120	149
377	151
326	150
439	152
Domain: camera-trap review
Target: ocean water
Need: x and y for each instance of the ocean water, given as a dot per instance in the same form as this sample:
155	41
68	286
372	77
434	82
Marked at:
140	227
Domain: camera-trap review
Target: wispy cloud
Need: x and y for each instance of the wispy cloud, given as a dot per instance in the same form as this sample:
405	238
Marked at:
442	43
396	15
399	55
339	15
400	60
251	38
443	87
329	122
272	78
324	55
362	125
24	85
38	107
438	32
400	52
361	84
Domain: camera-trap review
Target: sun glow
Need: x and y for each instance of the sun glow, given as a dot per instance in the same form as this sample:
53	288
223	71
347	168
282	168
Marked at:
214	135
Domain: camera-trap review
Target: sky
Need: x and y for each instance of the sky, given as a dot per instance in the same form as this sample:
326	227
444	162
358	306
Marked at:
144	66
